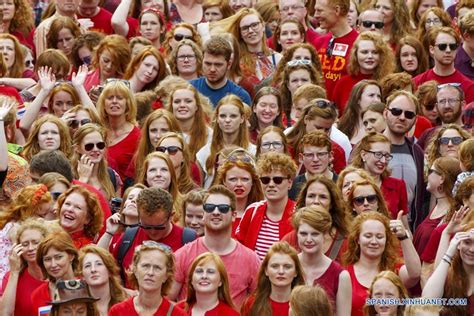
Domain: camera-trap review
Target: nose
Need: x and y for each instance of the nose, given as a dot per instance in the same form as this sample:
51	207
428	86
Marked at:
281	270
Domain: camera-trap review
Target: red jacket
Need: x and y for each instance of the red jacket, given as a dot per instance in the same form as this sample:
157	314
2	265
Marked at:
249	227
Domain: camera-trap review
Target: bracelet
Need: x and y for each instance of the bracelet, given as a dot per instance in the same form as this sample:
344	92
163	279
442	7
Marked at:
446	259
404	237
450	257
109	233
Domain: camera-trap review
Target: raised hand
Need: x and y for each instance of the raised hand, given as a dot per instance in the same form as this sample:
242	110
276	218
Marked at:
79	78
5	108
112	223
397	227
46	78
15	258
84	168
454	224
453	244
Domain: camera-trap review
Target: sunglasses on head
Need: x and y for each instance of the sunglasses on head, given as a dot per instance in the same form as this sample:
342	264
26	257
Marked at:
180	37
223	208
276	180
359	200
297	62
172	150
397	112
442	47
454	140
77	123
378	25
90	146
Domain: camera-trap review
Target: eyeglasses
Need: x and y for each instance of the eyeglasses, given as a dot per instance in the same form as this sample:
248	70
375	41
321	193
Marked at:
454	140
275	145
320	155
90	146
276	180
323	104
254	27
188	57
397	112
443	46
379	155
179	37
330	47
359	200
367	24
448	101
223	208
111	80
55	195
172	150
77	123
296	62
159	245
292	7
434	22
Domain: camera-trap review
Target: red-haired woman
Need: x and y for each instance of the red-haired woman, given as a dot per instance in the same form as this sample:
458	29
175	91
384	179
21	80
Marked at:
13	58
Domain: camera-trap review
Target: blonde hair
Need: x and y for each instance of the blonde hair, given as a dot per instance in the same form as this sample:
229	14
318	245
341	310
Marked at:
114	88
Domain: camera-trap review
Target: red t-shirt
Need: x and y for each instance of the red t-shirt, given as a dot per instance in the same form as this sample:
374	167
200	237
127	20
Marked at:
220	310
40	298
174	240
26	285
335	65
421	124
102	22
120	154
344	88
467	85
339	162
127	308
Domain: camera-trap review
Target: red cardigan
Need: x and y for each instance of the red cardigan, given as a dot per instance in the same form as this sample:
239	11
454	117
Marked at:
249	227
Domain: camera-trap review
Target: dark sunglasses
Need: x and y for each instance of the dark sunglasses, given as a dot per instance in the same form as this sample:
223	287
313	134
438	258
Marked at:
444	46
378	25
276	180
431	170
90	146
454	140
223	208
430	107
359	201
180	37
76	123
397	112
55	195
152	227
172	150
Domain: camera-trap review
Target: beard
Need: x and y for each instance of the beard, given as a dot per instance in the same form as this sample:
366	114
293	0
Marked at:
450	117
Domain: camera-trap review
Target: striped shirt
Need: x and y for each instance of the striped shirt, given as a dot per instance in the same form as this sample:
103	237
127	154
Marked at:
268	235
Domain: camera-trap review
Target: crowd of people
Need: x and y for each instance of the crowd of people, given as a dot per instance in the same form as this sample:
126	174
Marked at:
237	157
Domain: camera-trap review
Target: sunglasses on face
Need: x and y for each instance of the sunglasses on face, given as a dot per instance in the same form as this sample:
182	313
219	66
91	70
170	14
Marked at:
454	140
90	146
276	180
180	37
152	227
431	170
55	195
442	47
430	107
222	208
378	25
172	150
76	123
359	200
397	112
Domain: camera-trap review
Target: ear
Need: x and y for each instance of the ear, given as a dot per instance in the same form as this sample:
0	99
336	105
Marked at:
300	158
229	63
331	157
363	155
385	114
431	50
337	8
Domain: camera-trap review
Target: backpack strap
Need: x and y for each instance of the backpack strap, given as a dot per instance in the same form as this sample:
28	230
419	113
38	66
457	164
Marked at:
124	246
170	310
336	247
188	235
112	177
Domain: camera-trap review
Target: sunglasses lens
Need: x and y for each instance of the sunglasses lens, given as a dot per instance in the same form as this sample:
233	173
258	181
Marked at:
378	25
209	208
100	145
88	147
161	149
223	208
396	112
178	37
85	121
456	140
442	46
371	199
265	180
429	107
74	124
409	114
358	201
173	150
453	46
278	180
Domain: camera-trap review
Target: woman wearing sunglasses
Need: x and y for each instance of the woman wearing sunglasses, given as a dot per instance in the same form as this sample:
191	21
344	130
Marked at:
279	273
158	171
208	288
312	224
174	145
152	274
365	196
230	128
267	109
78	116
372	248
445	142
178	33
239	175
271	139
373	59
441	178
89	162
373	153
80	215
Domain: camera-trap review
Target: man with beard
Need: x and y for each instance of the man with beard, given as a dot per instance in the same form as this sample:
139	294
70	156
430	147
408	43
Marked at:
215	85
449	104
408	161
241	263
443	44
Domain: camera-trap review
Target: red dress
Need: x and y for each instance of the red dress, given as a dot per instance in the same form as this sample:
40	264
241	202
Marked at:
127	308
278	309
423	232
120	154
329	281
221	309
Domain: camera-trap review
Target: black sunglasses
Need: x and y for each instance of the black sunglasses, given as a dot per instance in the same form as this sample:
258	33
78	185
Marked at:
397	112
378	25
154	227
454	140
172	150
180	37
55	195
90	146
276	180
444	46
359	201
430	106
76	123
223	208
